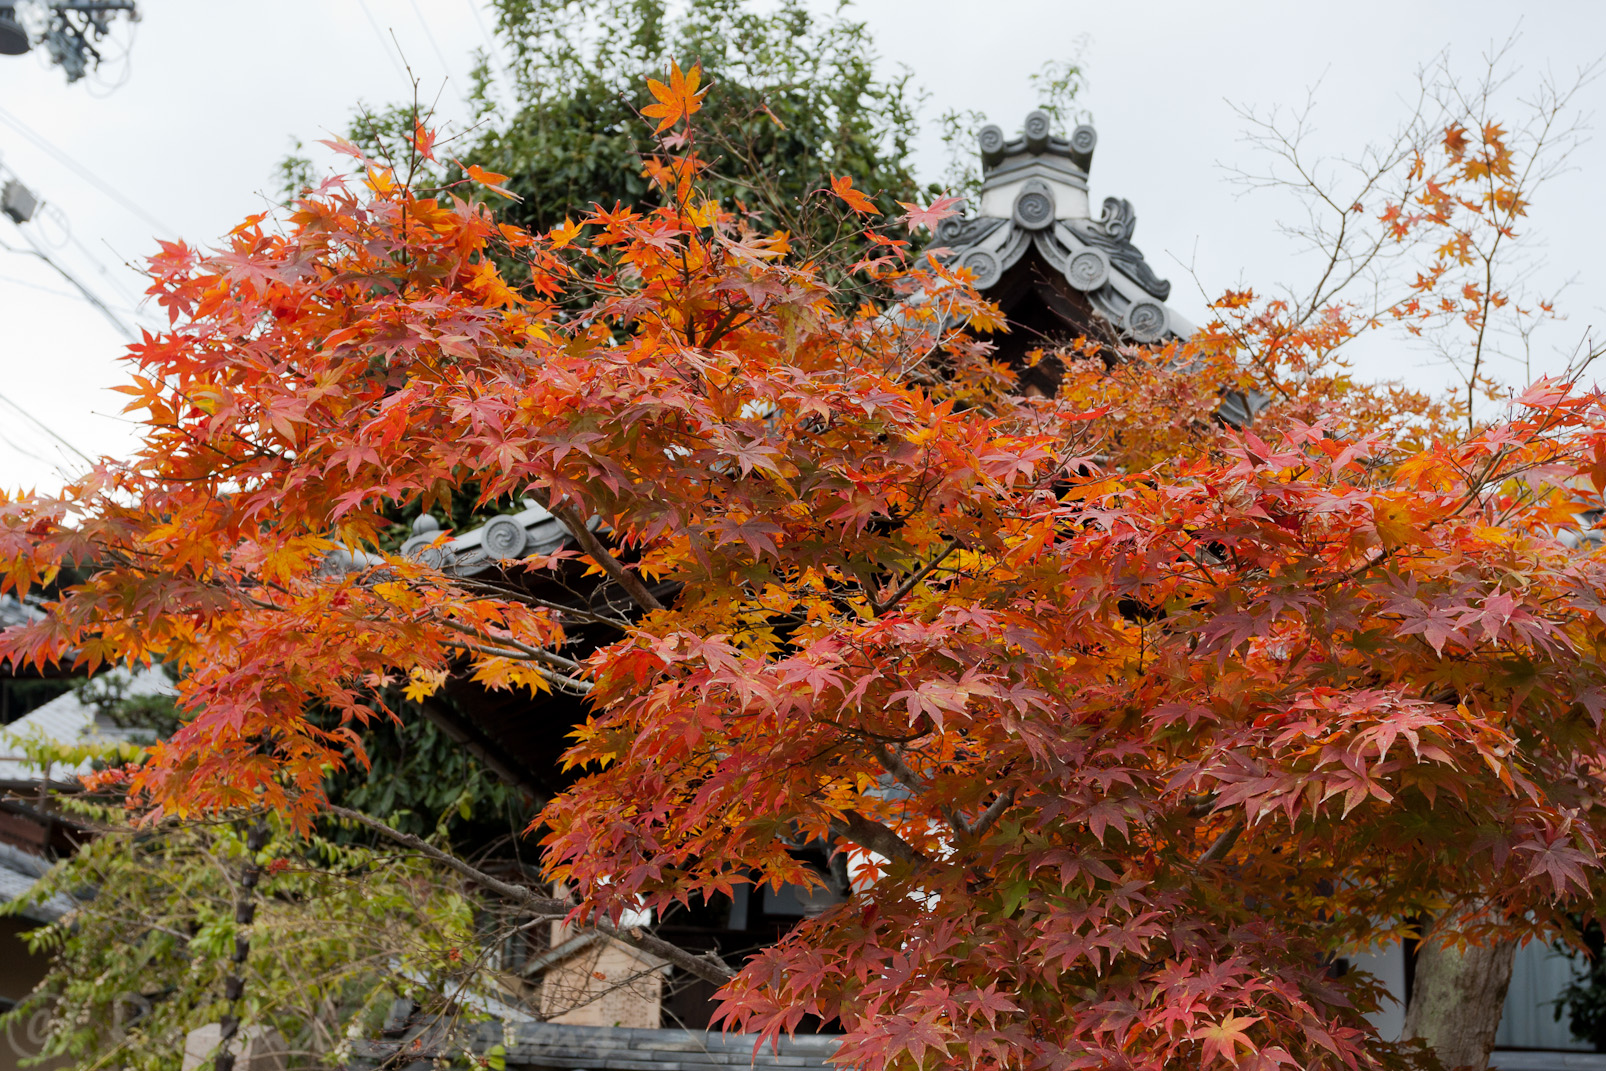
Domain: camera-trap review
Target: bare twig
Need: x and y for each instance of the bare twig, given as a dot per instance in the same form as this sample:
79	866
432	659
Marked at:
556	661
558	680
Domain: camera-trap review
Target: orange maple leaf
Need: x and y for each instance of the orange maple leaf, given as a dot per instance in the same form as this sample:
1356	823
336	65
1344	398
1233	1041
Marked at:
1455	140
489	179
856	200
423	139
678	100
562	236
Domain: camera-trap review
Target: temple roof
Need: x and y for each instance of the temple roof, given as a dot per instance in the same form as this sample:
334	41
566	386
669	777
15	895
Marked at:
1034	200
1055	270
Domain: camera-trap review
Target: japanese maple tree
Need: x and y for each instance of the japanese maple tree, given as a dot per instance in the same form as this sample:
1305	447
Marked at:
1127	720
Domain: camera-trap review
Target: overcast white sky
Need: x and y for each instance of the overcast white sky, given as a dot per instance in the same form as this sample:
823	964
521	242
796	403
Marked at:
213	92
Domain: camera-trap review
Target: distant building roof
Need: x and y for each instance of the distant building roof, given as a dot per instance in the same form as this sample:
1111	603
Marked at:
13	611
19	872
68	720
557	1047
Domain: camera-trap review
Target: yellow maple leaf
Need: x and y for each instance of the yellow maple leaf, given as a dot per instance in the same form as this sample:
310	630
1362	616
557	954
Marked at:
703	215
423	682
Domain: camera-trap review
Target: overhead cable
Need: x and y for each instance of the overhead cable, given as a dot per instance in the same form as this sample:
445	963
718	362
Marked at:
89	295
82	172
490	43
394	62
446	69
46	428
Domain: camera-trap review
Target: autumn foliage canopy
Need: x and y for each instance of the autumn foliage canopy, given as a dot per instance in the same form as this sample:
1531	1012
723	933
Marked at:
1129	721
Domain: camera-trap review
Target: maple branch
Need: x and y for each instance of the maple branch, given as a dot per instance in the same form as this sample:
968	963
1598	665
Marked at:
557	679
909	585
893	763
1221	845
541	905
868	833
520	595
566	665
993	813
706	966
589	542
923	728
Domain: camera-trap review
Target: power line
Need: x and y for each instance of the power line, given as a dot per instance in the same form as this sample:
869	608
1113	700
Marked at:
46	428
490	42
83	172
394	62
106	273
16	280
474	8
446	69
89	295
25	452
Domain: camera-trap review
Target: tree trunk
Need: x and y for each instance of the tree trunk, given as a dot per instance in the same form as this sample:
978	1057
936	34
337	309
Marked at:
1457	998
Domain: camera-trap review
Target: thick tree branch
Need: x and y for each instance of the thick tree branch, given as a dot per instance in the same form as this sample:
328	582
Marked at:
993	813
1222	844
707	966
589	543
893	763
909	585
868	833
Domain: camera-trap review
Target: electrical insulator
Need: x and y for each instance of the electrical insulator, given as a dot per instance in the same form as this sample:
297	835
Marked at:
18	201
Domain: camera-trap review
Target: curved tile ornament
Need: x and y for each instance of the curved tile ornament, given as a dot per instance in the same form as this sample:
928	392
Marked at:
990	140
985	265
1088	270
1036	130
503	538
500	540
1034	205
1112	232
1084	139
425	529
1034	196
1145	321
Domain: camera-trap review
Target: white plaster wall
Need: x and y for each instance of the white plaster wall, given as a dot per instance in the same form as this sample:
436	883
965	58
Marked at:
1529	1019
1069	202
1387	964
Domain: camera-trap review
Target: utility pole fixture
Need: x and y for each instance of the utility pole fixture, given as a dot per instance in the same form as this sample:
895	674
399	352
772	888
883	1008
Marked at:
68	29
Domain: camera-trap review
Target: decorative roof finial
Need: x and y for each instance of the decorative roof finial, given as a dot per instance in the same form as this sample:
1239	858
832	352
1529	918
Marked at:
1083	141
990	140
1037	128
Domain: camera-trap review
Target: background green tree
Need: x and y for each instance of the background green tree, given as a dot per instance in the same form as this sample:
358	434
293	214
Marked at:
798	100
